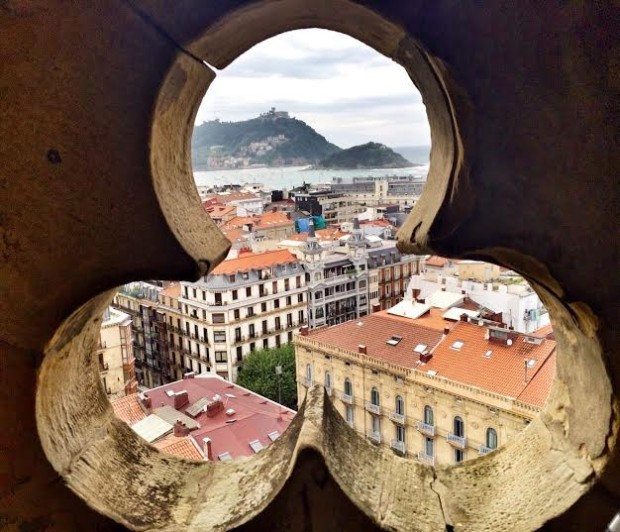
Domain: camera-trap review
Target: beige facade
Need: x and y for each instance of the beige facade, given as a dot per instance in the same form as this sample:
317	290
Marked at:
115	354
476	270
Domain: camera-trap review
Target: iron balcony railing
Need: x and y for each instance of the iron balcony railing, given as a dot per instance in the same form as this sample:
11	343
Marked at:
346	398
483	449
397	418
399	446
457	441
374	436
426	428
373	408
426	458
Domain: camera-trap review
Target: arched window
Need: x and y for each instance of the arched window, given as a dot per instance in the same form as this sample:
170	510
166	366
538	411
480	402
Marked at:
491	438
308	372
348	388
399	407
374	396
328	380
459	427
429	419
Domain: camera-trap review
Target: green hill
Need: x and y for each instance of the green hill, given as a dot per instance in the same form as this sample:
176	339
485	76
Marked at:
369	155
272	139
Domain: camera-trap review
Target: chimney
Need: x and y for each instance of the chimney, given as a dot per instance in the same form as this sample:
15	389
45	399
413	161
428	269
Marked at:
274	209
425	357
215	407
415	292
463	317
146	401
180	429
446	330
303	330
376	307
189	375
361	348
181	399
443	288
206	447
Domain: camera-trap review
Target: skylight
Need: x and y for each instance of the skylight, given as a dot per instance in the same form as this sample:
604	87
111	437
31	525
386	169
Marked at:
256	446
531	363
224	457
420	348
394	340
457	345
273	436
488	354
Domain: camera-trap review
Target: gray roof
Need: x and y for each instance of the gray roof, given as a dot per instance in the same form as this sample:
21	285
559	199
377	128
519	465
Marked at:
170	415
197	407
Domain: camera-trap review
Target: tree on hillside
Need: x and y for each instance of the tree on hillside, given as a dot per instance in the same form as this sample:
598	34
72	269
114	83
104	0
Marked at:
258	374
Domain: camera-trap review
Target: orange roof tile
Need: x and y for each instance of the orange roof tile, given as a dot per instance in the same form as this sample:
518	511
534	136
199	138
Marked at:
329	233
181	447
128	409
254	261
236	196
537	390
375	331
546	331
502	372
234	235
438	262
173	290
268	219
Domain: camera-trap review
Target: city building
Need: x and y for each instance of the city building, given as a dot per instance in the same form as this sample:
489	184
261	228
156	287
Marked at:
265	230
204	417
380	190
257	300
435	389
115	354
335	207
502	291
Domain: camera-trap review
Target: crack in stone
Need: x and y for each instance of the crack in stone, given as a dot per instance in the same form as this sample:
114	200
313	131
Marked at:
431	485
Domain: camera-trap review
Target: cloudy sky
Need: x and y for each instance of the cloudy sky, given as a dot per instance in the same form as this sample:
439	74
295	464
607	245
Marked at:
342	88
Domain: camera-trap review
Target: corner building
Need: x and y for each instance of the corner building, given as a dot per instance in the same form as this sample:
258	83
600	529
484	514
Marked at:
437	390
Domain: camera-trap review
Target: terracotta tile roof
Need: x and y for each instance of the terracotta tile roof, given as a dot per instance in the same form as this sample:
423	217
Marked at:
234	235
432	319
236	196
128	409
437	262
537	390
254	261
182	447
375	330
261	221
381	222
173	290
546	331
329	233
502	372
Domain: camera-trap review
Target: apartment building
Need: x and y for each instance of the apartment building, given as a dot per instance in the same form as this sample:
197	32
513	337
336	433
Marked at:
336	208
115	354
141	301
372	191
255	301
436	390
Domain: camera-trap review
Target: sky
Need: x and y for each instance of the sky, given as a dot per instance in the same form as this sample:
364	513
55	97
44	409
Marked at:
342	88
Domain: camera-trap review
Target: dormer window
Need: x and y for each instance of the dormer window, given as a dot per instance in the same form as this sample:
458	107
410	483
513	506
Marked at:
394	340
458	345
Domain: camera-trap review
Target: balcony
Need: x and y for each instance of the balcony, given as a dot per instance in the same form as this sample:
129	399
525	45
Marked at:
346	398
374	436
426	458
426	428
373	408
397	418
457	441
483	449
399	446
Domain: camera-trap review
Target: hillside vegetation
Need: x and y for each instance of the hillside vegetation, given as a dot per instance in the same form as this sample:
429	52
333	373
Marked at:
369	155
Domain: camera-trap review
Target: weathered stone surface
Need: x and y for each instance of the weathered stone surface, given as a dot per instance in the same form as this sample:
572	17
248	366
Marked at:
96	106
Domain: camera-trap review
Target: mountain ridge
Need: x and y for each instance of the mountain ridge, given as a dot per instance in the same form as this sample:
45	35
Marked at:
364	156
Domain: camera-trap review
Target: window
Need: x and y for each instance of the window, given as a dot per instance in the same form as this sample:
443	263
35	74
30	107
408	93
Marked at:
348	388
276	303
204	315
300	315
250	312
252	330
399	406
289	337
278	324
263	307
491	438
239	354
231	278
205	334
298	281
429	445
308	372
266	343
218	318
376	424
374	396
252	347
261	290
289	301
459	427
300	298
248	291
238	334
362	284
235	295
278	341
186	292
400	433
289	320
221	356
458	455
218	299
274	287
204	295
286	284
219	336
264	326
328	380
348	412
194	293
429	419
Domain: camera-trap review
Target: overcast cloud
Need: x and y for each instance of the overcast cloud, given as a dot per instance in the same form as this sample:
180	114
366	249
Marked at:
342	88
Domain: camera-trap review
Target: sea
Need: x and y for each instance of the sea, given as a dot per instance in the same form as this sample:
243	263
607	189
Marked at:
277	178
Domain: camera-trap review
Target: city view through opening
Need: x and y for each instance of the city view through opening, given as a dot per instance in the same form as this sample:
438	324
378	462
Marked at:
309	152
